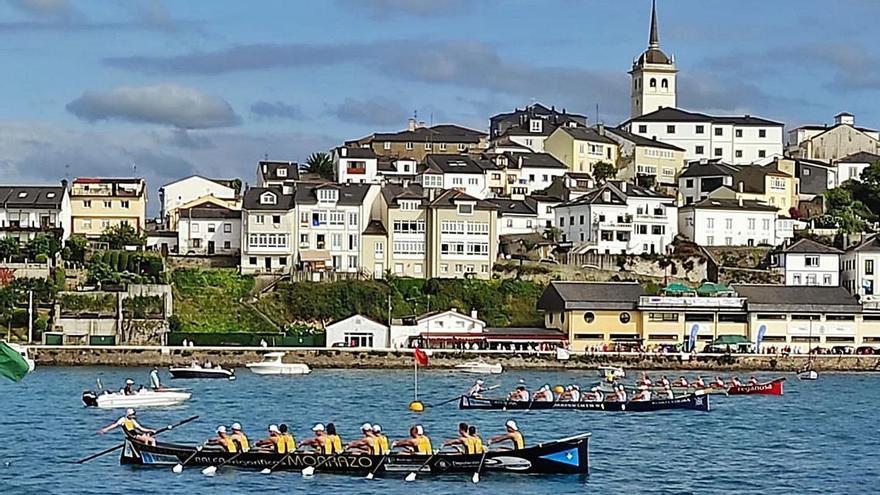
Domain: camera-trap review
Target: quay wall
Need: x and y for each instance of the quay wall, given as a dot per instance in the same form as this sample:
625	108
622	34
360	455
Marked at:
390	359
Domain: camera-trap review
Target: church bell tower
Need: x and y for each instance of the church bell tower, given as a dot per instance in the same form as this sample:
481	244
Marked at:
653	75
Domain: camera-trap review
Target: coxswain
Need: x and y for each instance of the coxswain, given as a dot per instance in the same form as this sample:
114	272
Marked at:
753	380
381	438
319	442
513	436
519	394
734	382
129	387
479	448
462	442
239	437
368	444
130	424
476	389
271	443
643	395
223	440
682	382
718	382
664	382
335	439
286	443
699	383
155	384
417	443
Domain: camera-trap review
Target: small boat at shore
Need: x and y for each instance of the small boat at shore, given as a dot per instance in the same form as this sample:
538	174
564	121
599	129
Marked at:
196	370
142	398
808	375
272	364
564	456
23	352
694	402
773	387
611	373
480	367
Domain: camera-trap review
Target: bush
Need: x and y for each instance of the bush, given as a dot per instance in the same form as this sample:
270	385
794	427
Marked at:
41	324
41	258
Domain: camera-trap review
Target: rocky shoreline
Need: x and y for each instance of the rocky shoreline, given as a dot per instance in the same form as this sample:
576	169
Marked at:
382	359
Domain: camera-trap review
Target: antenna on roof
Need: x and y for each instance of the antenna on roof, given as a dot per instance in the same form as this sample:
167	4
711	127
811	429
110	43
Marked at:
597	112
134	169
67	171
266	156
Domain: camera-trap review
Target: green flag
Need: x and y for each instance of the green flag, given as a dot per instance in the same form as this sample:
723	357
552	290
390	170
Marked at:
12	365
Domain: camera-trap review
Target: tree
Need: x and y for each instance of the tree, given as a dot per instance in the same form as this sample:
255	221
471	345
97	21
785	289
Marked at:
75	248
848	214
121	235
603	172
42	244
8	247
321	164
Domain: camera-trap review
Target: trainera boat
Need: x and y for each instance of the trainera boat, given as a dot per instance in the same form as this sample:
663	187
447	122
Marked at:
142	398
196	370
773	387
272	365
480	367
565	456
694	402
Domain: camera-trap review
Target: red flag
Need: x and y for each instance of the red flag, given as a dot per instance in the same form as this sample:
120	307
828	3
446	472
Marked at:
421	357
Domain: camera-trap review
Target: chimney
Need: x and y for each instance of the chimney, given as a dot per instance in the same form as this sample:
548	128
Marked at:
623	186
740	187
520	160
474	314
64	183
600	128
411	124
343	151
740	201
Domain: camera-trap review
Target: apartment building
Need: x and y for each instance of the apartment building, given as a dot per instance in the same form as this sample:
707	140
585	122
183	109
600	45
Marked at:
832	142
357	165
580	148
26	211
466	173
278	173
209	230
419	140
521	174
774	184
517	216
268	221
461	236
729	222
646	161
859	269
98	203
403	217
530	126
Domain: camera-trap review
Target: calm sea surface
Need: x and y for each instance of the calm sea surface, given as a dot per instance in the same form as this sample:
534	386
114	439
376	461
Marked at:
820	437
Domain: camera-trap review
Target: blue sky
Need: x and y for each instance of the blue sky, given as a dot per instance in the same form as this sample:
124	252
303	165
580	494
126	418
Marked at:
210	86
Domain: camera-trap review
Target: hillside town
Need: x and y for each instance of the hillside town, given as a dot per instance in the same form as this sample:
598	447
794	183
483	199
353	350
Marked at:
638	234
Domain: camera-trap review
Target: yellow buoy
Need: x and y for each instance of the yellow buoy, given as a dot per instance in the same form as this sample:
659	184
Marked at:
558	389
416	406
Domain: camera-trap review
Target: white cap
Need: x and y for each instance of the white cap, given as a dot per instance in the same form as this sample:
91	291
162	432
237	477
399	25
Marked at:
236	426
221	429
420	430
129	382
273	429
511	424
377	428
129	412
318	427
366	427
479	381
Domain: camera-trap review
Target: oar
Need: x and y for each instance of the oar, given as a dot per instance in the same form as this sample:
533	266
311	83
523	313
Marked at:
269	470
378	465
309	471
111	449
445	401
476	477
412	475
178	468
211	470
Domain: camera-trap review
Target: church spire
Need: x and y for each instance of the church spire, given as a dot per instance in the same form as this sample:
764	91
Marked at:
654	41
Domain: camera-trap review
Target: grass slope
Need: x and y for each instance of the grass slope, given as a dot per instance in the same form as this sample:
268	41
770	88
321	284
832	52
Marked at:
209	301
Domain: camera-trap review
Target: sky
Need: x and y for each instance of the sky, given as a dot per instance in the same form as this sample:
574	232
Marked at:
169	89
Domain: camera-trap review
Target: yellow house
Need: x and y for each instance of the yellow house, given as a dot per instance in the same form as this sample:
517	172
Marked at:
593	314
580	148
97	203
641	158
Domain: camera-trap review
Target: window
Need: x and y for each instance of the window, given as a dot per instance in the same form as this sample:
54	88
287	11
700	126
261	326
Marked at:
738	133
227	244
380	248
700	129
869	267
336	241
108	204
826	279
124	203
353	262
252	260
710	240
699	150
462	146
87	203
410	227
352	242
751	224
589	317
806	171
386	145
304	240
427	146
710	223
811	261
212	228
562	221
658	229
670	129
766	224
409	145
718	151
689	183
195	227
535	125
227	228
442	146
738	153
699	317
656	317
87	224
762	133
664	83
728	223
465	209
719	131
653	83
327	195
353	219
276	219
762	153
643	128
728	241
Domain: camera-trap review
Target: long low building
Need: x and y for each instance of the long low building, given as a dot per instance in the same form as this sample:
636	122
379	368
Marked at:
597	314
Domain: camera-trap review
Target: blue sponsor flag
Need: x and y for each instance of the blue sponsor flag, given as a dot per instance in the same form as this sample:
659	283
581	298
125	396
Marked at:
692	339
570	457
761	331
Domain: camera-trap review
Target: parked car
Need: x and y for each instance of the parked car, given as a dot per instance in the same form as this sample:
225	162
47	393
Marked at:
842	349
866	350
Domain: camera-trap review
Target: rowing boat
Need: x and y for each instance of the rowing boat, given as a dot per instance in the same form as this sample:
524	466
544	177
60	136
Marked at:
695	402
565	456
773	387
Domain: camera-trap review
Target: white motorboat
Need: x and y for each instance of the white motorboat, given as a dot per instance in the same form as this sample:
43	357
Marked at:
480	367
808	375
611	373
142	398
22	350
196	370
272	365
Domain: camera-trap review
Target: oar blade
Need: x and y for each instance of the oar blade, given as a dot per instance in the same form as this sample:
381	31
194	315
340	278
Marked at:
177	469
476	478
410	477
369	476
308	472
209	471
266	471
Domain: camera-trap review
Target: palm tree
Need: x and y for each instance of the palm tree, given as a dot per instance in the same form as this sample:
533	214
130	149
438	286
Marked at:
321	164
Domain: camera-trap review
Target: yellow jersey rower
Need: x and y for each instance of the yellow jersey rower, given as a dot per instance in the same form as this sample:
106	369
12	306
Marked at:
382	439
417	443
368	444
463	442
223	440
513	436
130	424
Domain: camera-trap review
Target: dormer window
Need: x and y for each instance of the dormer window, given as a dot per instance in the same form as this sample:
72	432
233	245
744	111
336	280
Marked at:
282	172
327	195
536	125
465	209
268	199
409	205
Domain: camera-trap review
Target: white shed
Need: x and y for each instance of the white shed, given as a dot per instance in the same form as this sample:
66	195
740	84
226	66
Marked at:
357	331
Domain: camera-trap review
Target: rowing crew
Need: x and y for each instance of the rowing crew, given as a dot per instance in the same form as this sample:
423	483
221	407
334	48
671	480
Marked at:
682	382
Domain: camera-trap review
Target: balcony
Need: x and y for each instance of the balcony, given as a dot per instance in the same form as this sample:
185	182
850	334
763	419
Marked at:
356	170
691	302
614	225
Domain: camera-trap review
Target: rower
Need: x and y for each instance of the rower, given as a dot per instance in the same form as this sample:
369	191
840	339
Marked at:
513	435
718	383
542	394
520	394
368	444
621	393
664	382
417	443
155	384
130	424
753	380
572	393
129	387
477	441
223	440
465	442
335	439
596	395
734	382
286	443
699	383
381	438
682	382
645	380
320	442
476	389
239	438
643	395
271	443
669	393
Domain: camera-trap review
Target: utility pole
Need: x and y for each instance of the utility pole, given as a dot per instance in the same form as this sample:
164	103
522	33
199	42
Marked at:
30	316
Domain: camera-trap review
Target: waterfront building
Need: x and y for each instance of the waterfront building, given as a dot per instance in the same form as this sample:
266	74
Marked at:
26	211
729	222
859	269
462	237
98	203
357	331
397	238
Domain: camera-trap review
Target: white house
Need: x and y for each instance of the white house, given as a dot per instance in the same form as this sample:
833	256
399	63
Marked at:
278	173
525	129
209	230
529	172
355	165
434	328
181	192
516	216
619	217
728	222
859	269
807	262
462	173
357	331
733	139
26	211
267	225
851	166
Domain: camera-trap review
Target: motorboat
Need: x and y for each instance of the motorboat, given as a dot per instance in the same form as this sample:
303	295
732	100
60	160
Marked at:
808	375
272	365
23	351
141	398
611	373
195	370
480	367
